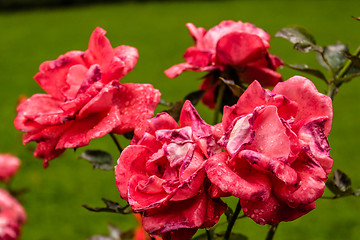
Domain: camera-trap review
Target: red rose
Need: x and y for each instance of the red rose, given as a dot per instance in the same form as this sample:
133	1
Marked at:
161	174
84	98
233	48
277	157
12	216
9	165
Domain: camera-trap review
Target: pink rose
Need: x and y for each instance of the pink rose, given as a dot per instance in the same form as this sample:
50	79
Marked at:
9	165
277	157
12	216
233	50
84	98
161	174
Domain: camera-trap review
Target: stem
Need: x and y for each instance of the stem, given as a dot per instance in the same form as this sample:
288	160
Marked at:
332	90
347	65
219	101
232	221
271	232
113	137
208	234
333	86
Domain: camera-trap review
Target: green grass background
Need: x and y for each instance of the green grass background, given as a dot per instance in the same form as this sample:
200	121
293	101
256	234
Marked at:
55	195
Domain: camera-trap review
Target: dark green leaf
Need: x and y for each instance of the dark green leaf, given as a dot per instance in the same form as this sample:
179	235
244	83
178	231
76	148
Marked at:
175	110
306	69
302	39
235	89
340	184
110	207
195	97
334	56
99	159
129	135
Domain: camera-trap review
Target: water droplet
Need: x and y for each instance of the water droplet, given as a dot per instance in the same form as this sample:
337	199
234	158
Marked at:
262	221
256	211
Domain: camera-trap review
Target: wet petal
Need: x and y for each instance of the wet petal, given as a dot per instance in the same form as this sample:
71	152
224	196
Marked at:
239	48
229	181
136	102
311	103
270	134
53	74
132	160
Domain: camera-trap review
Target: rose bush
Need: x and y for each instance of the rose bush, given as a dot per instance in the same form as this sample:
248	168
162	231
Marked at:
12	216
232	50
9	165
277	154
84	98
161	174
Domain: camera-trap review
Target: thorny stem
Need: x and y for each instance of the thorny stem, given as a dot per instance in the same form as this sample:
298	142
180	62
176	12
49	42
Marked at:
219	100
208	234
335	83
116	142
271	232
232	221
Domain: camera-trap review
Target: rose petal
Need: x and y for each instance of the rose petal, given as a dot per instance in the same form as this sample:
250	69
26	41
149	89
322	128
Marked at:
9	165
132	160
55	72
40	108
253	97
313	135
100	50
160	121
227	180
270	134
272	211
266	76
80	132
136	102
240	135
239	48
197	57
190	117
311	103
280	169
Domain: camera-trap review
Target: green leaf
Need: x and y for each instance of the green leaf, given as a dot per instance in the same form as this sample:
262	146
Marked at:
306	69
340	184
99	159
195	97
110	207
302	39
235	89
334	56
175	110
229	213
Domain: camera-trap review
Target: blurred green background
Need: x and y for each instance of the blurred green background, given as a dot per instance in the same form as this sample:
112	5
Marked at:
55	195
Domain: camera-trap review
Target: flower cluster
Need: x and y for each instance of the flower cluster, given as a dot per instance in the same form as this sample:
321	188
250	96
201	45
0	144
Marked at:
12	214
270	150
